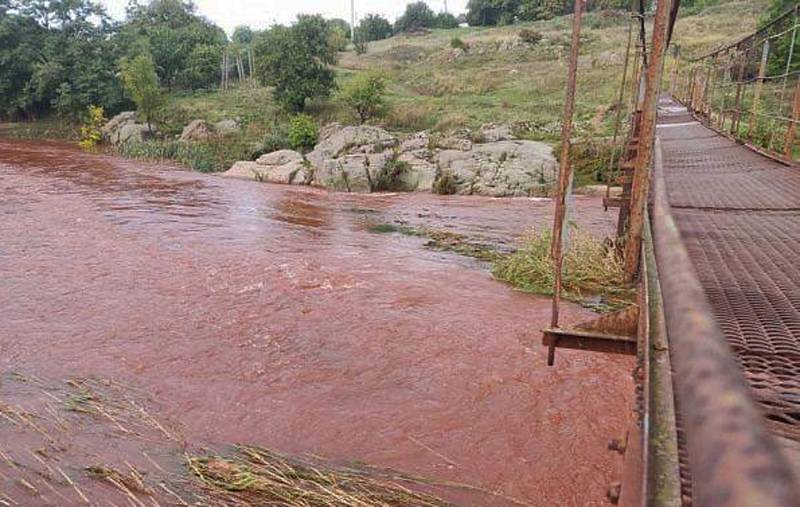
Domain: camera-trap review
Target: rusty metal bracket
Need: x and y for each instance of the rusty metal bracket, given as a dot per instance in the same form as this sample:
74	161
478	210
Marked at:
614	333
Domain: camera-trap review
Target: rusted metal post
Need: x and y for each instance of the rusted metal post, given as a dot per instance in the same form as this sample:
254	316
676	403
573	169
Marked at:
737	111
565	172
618	120
790	132
641	176
635	75
762	72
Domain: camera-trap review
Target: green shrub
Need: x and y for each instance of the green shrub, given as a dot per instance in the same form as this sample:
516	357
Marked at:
364	95
590	160
390	178
303	133
90	130
360	45
276	139
457	43
445	184
530	36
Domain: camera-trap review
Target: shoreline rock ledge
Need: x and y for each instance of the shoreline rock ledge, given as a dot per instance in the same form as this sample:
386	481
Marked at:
489	161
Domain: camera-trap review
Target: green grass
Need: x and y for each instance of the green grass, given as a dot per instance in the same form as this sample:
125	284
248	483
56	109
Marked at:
50	127
593	274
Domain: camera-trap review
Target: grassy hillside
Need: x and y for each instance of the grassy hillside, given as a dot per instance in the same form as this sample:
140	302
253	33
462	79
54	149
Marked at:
498	79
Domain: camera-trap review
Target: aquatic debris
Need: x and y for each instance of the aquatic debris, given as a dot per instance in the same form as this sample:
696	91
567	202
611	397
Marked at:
257	476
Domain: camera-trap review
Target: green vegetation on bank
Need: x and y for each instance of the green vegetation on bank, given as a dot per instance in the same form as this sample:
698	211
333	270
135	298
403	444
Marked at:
437	80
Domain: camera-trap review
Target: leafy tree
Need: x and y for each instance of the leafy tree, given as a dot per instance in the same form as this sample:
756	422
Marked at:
374	27
21	39
485	12
445	20
242	35
340	33
55	54
364	94
172	31
416	17
141	84
297	61
780	49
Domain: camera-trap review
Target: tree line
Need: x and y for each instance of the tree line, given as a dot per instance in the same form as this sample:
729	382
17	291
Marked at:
64	55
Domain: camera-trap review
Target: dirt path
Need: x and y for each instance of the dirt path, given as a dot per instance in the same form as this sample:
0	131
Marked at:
269	315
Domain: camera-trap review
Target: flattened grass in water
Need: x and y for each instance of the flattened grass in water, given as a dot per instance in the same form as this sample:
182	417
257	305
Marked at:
257	476
442	240
591	268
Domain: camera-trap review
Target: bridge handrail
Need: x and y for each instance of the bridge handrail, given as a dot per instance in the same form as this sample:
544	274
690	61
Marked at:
734	461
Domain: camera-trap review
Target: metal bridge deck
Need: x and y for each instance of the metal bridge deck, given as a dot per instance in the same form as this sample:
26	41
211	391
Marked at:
739	216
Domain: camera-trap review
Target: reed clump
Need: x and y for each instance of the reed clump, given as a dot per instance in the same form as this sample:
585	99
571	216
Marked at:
257	476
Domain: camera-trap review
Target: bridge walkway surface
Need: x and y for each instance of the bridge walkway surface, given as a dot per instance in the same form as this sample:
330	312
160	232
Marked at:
738	213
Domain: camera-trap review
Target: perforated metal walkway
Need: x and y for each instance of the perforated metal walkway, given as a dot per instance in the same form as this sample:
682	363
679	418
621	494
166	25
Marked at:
739	216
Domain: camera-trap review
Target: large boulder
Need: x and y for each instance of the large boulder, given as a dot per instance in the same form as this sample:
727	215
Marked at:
336	143
196	130
123	128
503	168
225	127
491	133
114	124
131	132
284	166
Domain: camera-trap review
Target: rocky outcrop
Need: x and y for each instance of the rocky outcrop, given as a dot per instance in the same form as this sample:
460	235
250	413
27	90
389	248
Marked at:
284	166
502	168
365	158
196	130
123	128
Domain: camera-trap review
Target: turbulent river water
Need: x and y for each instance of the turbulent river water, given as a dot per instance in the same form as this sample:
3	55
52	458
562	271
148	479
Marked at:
272	315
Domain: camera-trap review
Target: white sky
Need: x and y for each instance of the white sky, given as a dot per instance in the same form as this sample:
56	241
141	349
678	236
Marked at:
262	13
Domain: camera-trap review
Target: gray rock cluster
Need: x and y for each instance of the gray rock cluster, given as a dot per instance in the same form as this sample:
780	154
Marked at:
366	158
201	130
123	128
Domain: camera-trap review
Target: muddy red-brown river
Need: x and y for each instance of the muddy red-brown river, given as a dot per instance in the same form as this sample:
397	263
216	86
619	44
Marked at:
271	315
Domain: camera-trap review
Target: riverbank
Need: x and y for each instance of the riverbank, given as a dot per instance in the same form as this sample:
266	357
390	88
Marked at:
272	316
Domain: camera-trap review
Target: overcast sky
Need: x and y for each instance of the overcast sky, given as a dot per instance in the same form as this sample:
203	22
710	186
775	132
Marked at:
262	13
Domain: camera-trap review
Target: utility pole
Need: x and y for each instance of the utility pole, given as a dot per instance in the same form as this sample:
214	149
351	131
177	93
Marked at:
445	6
353	20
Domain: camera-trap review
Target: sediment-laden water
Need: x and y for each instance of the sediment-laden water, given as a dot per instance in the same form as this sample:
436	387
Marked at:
239	312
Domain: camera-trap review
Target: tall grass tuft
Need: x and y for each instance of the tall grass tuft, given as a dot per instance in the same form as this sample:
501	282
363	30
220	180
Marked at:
591	269
214	155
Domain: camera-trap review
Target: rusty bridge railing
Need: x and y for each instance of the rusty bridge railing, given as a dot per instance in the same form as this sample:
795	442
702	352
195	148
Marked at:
749	90
699	439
